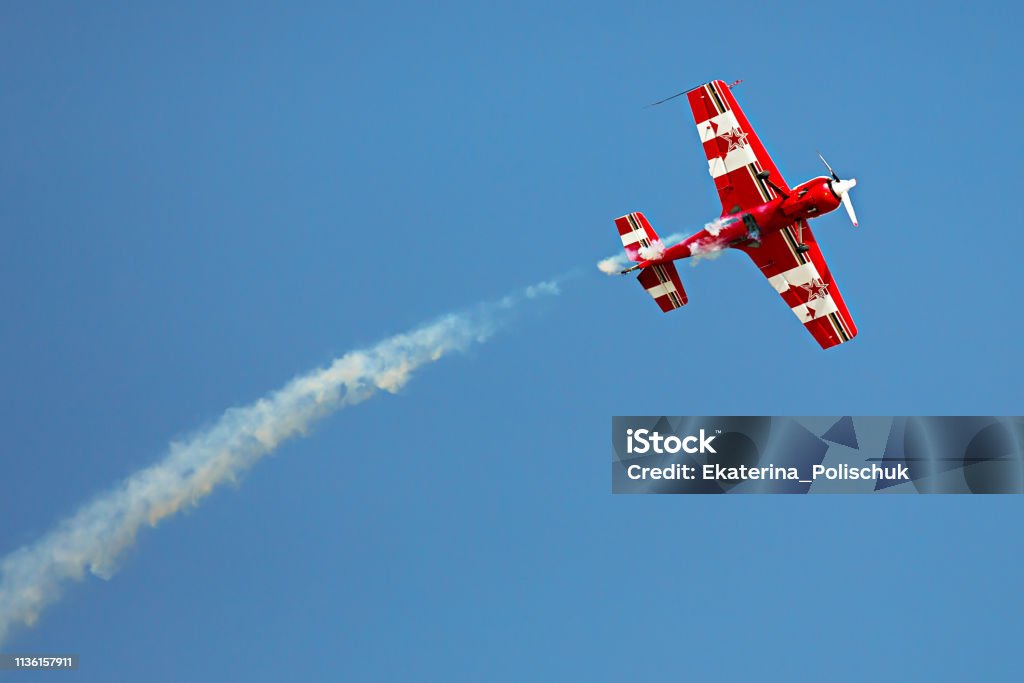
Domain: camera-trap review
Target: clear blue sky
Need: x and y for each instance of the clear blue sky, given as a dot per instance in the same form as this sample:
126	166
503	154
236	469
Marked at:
200	201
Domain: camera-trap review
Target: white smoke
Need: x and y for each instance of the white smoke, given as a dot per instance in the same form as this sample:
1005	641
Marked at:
93	539
616	263
714	227
701	252
707	250
550	288
655	250
613	264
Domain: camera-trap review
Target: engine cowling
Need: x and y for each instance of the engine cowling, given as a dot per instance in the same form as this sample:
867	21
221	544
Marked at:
811	199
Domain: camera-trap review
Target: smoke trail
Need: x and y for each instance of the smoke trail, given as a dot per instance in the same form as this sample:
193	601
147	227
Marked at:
613	264
94	537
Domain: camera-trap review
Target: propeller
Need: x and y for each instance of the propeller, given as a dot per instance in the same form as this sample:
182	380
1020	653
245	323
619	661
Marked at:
842	189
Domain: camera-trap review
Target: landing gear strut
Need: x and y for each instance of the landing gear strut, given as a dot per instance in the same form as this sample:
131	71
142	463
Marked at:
801	248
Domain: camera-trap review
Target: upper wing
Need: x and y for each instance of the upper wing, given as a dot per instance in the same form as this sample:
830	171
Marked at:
805	283
735	153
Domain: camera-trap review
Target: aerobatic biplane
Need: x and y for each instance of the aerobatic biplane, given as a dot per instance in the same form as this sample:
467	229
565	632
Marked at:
761	216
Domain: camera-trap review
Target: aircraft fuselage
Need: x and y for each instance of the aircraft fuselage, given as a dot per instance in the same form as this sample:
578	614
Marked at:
808	200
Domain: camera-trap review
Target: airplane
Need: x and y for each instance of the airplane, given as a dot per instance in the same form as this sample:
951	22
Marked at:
761	216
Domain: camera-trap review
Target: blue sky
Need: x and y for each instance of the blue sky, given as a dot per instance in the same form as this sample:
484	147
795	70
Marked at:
200	202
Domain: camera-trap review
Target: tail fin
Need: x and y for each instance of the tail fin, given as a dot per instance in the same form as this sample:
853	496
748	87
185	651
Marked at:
663	284
638	237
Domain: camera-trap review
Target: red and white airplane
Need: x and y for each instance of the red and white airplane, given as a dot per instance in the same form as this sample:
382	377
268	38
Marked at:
761	216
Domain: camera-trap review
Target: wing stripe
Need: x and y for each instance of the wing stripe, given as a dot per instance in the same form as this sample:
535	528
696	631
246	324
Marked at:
792	243
717	99
667	283
715	102
732	161
662	289
633	237
754	169
637	230
717	126
766	191
807	314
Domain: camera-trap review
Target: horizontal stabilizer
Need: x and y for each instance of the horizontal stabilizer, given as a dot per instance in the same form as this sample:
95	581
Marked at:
663	284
